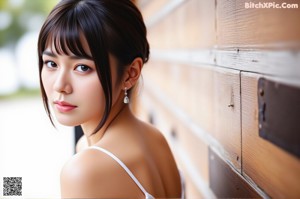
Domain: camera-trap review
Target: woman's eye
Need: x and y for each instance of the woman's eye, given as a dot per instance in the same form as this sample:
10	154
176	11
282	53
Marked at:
82	68
50	64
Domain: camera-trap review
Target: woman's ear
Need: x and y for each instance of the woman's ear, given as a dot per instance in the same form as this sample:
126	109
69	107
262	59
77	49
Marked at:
133	72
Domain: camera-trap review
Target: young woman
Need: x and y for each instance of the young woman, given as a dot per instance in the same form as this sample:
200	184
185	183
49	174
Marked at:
91	53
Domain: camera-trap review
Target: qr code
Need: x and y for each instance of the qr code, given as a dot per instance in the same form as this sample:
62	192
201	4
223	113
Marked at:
12	186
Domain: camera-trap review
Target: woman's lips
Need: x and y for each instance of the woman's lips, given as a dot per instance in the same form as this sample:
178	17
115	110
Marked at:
63	106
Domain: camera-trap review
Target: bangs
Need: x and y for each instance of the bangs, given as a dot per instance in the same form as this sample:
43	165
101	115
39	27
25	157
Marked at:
95	29
67	38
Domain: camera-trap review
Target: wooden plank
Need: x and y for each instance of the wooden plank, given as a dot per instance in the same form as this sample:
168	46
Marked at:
191	88
175	129
206	94
215	108
190	150
195	148
146	109
271	168
227	113
191	189
280	63
184	27
256	28
226	183
199	101
142	3
150	8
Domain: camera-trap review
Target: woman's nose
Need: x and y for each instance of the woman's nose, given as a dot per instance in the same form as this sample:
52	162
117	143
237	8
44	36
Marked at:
62	83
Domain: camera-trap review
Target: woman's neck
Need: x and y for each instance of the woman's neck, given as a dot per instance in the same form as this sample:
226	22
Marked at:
117	113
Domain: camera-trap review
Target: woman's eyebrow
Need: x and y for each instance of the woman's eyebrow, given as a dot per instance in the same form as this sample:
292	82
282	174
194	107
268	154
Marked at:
81	57
51	54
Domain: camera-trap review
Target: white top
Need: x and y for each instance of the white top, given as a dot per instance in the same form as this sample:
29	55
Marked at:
147	195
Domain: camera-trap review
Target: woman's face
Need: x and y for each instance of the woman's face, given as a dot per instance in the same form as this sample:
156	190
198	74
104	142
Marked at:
73	88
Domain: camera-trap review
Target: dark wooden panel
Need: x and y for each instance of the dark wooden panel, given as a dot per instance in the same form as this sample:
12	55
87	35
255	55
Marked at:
279	114
225	183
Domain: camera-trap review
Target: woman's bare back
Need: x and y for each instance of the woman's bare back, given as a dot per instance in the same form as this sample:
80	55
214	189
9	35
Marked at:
144	150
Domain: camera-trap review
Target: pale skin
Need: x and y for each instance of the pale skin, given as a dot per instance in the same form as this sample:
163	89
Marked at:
91	173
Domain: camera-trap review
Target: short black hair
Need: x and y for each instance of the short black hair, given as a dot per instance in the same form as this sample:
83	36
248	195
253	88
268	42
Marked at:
113	27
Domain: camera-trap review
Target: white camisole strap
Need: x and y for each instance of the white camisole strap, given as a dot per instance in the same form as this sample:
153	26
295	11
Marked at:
148	196
182	180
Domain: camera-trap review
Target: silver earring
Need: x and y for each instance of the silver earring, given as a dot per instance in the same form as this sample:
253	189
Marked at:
126	98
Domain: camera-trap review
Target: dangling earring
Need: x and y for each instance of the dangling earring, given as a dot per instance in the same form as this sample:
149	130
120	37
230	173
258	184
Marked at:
126	98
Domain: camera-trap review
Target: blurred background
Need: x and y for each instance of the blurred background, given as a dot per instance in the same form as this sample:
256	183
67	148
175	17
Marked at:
19	26
29	146
222	84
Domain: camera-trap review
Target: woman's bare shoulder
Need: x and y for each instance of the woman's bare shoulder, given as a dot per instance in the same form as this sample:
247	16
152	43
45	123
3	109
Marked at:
156	141
77	175
164	159
89	173
153	133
